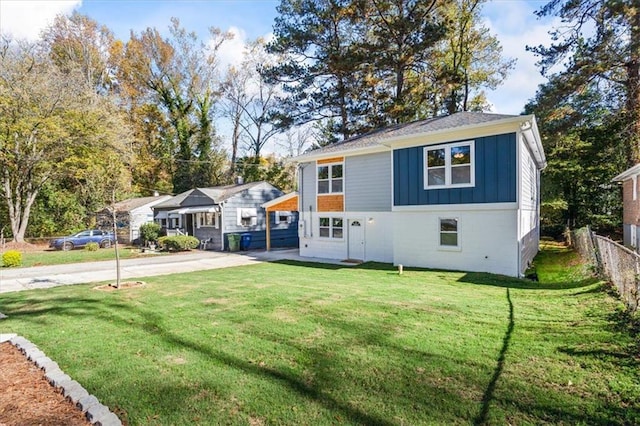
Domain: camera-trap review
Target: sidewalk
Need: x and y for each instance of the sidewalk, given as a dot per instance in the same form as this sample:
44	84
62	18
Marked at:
80	273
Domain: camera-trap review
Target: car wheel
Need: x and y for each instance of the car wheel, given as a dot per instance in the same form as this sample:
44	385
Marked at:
105	243
68	245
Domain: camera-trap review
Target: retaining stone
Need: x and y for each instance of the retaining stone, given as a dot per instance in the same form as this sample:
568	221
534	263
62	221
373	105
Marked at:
57	378
47	365
95	412
36	354
76	395
87	402
109	420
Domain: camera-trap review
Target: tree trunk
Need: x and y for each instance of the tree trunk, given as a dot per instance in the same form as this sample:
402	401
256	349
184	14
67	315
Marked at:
633	90
115	237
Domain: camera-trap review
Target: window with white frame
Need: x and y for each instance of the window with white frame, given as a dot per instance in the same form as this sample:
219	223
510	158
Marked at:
283	217
247	216
449	232
450	165
331	227
330	178
207	220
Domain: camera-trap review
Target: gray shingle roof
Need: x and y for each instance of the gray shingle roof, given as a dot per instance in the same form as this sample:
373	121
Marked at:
459	119
217	194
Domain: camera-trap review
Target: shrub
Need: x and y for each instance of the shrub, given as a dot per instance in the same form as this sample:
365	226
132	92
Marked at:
92	246
12	258
178	243
149	232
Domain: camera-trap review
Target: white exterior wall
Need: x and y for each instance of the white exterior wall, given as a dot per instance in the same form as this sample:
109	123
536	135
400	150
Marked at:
378	235
528	200
487	239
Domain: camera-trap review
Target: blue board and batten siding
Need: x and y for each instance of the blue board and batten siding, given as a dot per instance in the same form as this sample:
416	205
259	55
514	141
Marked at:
495	175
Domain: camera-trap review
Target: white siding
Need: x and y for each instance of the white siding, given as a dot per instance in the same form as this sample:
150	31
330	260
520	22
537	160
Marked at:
487	240
529	214
368	186
377	236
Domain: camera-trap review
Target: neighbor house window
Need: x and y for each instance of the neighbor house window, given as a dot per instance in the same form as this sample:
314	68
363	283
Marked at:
283	217
449	232
331	227
207	220
330	178
449	165
247	217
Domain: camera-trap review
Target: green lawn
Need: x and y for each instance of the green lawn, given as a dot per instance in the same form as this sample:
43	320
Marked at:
56	257
294	343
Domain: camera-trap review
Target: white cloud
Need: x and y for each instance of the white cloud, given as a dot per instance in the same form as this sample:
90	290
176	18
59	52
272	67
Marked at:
26	19
232	51
516	27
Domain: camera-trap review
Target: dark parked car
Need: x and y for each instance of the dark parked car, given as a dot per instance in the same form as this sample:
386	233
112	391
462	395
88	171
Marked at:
82	238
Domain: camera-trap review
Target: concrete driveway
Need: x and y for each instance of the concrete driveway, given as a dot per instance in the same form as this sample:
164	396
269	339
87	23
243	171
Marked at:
79	273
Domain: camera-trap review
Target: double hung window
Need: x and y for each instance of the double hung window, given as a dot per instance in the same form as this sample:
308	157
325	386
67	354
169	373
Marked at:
449	232
206	220
450	165
331	227
330	178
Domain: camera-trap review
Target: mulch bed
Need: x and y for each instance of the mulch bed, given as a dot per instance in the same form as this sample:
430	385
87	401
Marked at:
26	398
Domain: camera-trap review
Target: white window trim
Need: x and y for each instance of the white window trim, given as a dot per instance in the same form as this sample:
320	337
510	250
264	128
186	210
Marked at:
447	165
449	248
330	179
634	181
215	220
331	237
253	214
283	213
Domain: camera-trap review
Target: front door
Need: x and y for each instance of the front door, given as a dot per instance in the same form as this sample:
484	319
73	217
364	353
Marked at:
355	236
189	219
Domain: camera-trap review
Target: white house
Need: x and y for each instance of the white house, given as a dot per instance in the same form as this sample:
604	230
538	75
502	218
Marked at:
130	214
458	192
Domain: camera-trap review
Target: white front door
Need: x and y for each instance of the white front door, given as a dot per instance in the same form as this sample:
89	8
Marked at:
356	239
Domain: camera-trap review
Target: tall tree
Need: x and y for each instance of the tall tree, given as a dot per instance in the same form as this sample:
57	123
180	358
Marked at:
583	139
179	74
598	44
49	119
471	58
77	41
318	40
400	40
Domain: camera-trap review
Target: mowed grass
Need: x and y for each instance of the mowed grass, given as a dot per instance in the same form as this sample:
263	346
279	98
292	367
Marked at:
293	343
57	257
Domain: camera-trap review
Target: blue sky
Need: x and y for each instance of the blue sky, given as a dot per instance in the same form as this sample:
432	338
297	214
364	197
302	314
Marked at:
512	21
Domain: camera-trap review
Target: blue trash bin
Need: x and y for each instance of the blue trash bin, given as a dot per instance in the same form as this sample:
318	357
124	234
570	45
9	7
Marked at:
245	241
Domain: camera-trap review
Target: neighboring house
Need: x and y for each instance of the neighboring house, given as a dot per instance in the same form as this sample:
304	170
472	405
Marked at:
211	214
459	192
130	214
630	205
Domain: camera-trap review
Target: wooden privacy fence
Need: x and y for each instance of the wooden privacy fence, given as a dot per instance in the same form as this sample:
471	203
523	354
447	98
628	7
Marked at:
614	262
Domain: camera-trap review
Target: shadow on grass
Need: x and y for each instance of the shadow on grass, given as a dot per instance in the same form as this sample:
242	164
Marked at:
481	278
488	393
478	278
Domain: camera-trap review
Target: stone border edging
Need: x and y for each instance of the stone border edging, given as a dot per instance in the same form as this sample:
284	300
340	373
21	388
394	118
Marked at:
95	412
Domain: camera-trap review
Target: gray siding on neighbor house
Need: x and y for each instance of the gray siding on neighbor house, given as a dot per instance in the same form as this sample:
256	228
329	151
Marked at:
209	233
308	185
249	198
368	182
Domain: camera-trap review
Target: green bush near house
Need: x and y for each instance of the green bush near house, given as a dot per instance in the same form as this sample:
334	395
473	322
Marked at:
92	247
11	258
178	243
149	232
